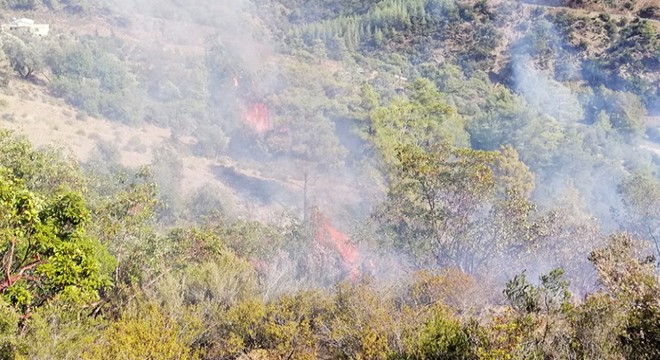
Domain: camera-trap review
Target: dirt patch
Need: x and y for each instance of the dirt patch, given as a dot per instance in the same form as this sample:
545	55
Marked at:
46	120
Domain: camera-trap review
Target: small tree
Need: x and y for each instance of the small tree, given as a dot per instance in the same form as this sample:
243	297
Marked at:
627	272
24	55
45	250
5	68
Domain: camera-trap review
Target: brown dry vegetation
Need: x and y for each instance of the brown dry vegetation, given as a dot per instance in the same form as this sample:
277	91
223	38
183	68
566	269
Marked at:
46	120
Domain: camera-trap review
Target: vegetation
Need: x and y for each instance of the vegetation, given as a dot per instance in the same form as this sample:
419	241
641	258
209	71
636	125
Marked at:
442	179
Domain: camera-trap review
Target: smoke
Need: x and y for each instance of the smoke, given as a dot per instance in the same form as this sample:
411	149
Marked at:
277	138
544	94
245	76
594	154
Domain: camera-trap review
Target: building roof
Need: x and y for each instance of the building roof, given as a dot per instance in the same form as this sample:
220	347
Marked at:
23	21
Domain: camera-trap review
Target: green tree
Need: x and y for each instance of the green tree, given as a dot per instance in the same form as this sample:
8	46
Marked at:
641	198
24	54
544	311
627	272
625	111
123	206
423	120
359	323
46	251
5	68
287	327
88	75
432	198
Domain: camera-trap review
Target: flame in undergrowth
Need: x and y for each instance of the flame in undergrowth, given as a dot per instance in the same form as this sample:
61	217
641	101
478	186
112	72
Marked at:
327	235
258	118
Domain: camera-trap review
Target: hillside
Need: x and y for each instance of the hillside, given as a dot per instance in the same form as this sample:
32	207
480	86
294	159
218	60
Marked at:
330	179
132	29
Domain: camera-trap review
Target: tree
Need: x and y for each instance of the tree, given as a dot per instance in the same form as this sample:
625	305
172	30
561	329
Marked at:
447	205
284	328
422	120
625	110
627	272
359	323
123	207
432	198
25	55
46	252
89	76
5	68
641	199
458	207
543	311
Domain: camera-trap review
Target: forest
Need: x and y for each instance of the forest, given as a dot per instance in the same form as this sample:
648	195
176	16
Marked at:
330	179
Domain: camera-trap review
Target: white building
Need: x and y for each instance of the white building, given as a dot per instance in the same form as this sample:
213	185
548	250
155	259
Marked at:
27	26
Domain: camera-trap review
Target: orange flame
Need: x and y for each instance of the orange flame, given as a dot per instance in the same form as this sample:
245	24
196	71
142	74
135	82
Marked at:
258	118
327	235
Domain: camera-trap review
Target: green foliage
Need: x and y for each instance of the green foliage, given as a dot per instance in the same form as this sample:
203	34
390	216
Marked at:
9	322
507	120
359	325
123	210
302	261
284	328
149	333
321	10
627	273
624	267
516	179
641	198
521	294
422	121
5	68
629	56
544	311
443	338
248	239
305	114
432	187
597	324
392	20
93	79
501	115
642	333
430	329
25	54
457	207
208	270
549	297
57	330
625	111
43	171
84	73
461	152
47	253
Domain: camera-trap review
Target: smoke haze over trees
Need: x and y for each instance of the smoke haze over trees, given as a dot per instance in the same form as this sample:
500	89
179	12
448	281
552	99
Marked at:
286	179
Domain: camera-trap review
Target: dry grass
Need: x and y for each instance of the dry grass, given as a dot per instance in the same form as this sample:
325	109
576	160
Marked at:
51	123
